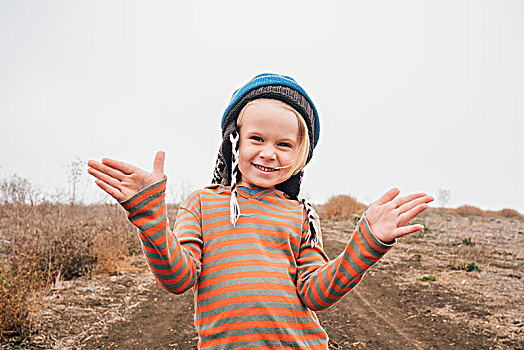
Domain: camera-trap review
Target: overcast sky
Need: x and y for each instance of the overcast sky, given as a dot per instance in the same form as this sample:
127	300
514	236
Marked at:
421	95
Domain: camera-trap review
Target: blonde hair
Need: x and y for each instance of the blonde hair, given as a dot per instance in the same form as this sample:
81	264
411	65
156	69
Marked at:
303	134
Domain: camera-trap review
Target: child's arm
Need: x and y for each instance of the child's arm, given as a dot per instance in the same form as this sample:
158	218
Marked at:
321	283
175	265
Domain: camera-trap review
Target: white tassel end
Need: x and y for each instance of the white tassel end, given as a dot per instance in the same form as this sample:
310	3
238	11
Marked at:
234	209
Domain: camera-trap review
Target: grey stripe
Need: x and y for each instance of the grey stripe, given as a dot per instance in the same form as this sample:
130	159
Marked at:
145	202
270	343
238	281
241	271
152	223
262	330
249	305
138	194
251	246
270	236
246	293
245	257
377	242
260	317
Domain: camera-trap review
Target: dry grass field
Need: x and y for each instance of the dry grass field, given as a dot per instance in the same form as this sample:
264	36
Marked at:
72	276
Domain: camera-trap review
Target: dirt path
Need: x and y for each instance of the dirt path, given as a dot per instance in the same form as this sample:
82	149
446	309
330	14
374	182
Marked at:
392	308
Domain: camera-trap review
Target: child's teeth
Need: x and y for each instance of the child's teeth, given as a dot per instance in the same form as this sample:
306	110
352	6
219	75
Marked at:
264	168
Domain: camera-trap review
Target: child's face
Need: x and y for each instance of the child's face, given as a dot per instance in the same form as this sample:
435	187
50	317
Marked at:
269	139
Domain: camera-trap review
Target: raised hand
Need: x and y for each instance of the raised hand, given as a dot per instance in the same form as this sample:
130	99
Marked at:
121	180
388	216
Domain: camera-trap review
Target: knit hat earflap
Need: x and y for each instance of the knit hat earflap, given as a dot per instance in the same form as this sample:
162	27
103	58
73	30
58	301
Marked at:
268	86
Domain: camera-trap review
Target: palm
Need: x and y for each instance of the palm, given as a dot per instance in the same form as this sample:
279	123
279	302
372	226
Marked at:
121	180
388	216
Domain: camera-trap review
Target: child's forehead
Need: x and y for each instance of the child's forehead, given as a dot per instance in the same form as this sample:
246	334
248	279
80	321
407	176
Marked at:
270	104
268	115
269	101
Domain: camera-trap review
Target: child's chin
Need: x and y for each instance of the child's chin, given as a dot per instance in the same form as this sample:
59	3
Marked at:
261	184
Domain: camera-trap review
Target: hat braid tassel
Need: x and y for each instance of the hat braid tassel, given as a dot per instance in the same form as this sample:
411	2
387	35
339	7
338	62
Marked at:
314	234
234	208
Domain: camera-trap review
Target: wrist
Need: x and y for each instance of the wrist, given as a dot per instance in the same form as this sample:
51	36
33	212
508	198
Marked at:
375	231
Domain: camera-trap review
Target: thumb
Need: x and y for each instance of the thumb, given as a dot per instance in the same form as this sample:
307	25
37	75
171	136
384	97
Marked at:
158	164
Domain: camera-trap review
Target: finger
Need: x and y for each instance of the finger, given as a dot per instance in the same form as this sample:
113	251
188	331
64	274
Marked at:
388	196
111	181
402	231
117	174
403	219
113	192
158	164
408	198
125	168
413	203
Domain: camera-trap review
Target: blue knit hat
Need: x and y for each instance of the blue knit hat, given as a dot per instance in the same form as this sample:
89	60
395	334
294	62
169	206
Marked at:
294	96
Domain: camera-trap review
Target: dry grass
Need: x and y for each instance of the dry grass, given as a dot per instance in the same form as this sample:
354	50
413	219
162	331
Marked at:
509	213
470	210
341	207
41	244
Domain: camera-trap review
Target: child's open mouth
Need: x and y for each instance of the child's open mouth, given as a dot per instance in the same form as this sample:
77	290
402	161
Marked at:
263	168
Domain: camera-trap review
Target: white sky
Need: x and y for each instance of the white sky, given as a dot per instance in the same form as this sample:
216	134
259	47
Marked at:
416	94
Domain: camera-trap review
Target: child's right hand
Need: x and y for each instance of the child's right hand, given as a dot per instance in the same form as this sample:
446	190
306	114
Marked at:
121	180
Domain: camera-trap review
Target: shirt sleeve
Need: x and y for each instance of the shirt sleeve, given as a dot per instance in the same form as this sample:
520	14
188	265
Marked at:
173	258
321	283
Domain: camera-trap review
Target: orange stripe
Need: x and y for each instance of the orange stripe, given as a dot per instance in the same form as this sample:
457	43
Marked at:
240	263
243	275
322	346
363	249
242	287
146	219
246	241
259	324
239	300
262	231
348	267
229	254
253	337
145	195
243	220
356	258
247	312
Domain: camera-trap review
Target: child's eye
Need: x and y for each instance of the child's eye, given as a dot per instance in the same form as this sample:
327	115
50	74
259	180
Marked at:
256	138
285	144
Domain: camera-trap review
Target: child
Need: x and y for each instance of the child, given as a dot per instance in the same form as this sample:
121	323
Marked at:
249	248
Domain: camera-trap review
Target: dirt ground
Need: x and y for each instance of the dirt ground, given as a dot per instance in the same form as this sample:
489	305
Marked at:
393	307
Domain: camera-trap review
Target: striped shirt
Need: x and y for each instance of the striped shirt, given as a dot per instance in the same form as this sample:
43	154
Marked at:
256	285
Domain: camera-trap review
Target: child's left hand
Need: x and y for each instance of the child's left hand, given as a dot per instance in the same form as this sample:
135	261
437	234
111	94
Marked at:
388	215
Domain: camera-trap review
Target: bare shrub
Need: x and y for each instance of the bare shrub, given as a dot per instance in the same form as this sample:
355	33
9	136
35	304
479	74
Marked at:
443	197
509	213
16	285
42	243
18	190
341	207
178	194
468	210
75	171
110	250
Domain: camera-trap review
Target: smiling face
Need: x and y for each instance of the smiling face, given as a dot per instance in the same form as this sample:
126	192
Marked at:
269	143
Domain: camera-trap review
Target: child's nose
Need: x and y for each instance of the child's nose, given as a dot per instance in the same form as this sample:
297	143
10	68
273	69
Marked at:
268	152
